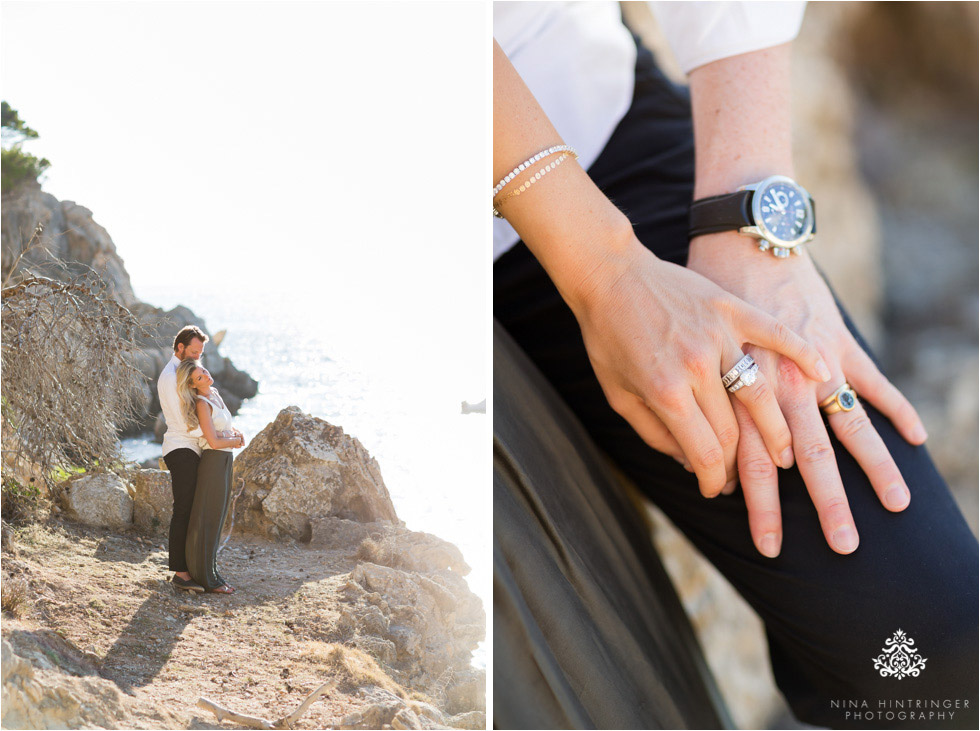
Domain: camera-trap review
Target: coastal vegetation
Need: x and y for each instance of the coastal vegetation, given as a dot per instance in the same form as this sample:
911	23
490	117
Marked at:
17	164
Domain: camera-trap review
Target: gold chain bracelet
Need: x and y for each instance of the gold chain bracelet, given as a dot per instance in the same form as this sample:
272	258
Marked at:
526	185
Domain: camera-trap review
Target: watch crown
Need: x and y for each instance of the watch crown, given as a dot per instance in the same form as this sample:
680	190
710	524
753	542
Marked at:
764	245
798	251
780	253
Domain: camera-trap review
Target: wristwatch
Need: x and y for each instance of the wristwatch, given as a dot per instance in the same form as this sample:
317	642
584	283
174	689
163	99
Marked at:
777	211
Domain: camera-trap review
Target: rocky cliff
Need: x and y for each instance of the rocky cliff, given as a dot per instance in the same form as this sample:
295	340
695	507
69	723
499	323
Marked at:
71	235
331	588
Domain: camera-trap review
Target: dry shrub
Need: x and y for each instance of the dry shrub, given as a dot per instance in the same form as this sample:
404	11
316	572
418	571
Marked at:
369	550
381	550
13	594
69	376
19	502
350	667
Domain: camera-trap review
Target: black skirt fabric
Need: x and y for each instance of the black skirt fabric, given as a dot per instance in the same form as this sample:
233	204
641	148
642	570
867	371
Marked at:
211	501
588	631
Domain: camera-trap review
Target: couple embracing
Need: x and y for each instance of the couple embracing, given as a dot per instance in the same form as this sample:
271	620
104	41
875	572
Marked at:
197	448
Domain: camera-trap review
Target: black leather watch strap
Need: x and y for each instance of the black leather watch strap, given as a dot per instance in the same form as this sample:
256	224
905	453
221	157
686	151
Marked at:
728	212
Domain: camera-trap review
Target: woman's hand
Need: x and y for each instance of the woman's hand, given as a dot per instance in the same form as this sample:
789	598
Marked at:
660	338
795	294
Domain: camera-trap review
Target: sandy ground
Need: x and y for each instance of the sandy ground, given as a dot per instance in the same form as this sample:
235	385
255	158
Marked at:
259	651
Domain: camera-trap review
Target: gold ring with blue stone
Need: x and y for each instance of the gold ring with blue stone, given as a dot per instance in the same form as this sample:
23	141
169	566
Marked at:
843	399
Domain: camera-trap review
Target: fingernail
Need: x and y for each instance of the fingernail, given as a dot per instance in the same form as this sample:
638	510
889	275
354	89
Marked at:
687	466
823	371
919	433
786	458
845	539
729	487
769	545
897	497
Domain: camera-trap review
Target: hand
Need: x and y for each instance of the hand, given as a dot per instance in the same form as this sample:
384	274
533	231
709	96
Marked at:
659	338
793	291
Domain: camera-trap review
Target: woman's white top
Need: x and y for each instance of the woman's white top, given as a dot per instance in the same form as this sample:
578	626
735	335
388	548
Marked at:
578	59
220	417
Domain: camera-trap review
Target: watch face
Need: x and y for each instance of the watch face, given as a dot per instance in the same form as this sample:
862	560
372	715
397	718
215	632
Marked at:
783	212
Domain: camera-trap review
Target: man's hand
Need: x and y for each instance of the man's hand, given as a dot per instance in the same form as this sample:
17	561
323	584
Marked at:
794	293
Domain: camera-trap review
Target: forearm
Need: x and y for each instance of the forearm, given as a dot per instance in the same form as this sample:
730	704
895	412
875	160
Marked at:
741	109
564	219
742	120
214	440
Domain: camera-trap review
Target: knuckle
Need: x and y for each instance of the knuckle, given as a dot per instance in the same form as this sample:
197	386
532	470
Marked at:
756	394
834	504
777	331
854	426
758	467
724	304
696	363
819	451
790	373
728	435
619	403
671	398
709	456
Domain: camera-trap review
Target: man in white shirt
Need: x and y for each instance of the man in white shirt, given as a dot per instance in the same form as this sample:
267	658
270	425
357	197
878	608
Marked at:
181	451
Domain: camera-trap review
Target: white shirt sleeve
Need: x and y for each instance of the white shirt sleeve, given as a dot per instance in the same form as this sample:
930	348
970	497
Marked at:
702	32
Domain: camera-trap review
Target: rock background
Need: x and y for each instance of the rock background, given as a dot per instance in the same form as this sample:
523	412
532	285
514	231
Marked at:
885	116
72	236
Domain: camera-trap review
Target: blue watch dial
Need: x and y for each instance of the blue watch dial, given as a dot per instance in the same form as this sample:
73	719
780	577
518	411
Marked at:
784	211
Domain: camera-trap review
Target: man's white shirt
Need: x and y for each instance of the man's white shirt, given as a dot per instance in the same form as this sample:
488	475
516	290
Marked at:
177	435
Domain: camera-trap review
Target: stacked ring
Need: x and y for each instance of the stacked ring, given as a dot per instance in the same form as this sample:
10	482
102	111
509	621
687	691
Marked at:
843	399
746	378
741	374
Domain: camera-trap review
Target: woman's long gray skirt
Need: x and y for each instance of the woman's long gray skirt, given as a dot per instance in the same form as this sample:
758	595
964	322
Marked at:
211	501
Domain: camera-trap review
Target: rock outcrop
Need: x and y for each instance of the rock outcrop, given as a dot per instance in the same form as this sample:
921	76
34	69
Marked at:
406	602
300	470
49	683
72	236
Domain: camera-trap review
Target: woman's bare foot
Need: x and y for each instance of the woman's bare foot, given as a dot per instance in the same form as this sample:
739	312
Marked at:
224	589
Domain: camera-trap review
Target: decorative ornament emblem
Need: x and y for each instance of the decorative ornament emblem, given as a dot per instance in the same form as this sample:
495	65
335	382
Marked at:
899	658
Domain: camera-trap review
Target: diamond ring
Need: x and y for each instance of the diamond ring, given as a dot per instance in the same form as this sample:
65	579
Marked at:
745	378
744	364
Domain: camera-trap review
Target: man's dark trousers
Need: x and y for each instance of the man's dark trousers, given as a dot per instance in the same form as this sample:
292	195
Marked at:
182	464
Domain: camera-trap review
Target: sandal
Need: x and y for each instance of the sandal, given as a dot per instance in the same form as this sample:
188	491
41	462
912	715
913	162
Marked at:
223	589
186	584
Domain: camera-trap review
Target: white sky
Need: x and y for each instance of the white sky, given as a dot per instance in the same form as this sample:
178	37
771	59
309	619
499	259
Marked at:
329	155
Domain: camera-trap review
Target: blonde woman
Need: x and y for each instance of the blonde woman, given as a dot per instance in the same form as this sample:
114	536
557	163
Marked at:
201	404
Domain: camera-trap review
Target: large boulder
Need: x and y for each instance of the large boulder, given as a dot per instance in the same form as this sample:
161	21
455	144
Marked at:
101	499
301	469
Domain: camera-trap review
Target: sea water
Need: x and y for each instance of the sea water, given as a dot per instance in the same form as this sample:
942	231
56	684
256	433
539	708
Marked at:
401	400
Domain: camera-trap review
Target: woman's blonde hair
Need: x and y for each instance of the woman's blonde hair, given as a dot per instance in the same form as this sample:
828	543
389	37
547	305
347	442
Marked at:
187	392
